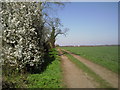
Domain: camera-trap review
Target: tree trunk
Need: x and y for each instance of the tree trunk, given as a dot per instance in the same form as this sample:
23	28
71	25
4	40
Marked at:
52	38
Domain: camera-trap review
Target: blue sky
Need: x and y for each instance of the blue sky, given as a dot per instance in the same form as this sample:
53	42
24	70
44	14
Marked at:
90	23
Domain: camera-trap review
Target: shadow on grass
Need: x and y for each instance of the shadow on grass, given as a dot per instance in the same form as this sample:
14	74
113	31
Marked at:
49	57
19	80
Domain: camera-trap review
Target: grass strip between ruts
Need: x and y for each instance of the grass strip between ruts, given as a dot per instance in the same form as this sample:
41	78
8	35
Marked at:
106	56
97	78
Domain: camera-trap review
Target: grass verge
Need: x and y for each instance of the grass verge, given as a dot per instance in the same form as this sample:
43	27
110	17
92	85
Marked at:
50	78
14	81
97	78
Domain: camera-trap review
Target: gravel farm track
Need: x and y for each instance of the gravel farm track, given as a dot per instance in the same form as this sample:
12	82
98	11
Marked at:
74	77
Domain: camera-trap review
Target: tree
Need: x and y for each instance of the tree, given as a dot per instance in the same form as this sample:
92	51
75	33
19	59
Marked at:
23	35
55	26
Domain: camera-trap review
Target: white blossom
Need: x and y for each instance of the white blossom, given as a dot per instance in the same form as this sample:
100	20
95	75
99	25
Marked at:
20	21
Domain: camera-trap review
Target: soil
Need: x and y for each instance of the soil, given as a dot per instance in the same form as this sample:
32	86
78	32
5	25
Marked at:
106	74
74	77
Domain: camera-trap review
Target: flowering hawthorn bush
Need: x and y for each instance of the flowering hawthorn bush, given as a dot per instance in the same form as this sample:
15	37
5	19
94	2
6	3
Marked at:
23	35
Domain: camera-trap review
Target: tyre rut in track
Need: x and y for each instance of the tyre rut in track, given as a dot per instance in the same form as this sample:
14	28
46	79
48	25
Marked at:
106	74
73	76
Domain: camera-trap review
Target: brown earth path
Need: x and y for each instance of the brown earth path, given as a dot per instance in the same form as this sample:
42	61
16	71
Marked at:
106	74
73	77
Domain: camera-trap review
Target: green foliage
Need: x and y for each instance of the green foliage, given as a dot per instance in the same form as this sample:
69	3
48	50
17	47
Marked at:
97	78
53	52
106	56
15	81
24	40
50	78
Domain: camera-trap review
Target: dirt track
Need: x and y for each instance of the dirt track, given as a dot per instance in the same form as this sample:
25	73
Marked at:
106	74
74	77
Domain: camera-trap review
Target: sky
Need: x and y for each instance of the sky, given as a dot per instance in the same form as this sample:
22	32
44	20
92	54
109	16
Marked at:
89	23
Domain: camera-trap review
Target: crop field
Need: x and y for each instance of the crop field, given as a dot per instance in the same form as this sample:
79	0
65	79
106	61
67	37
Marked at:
106	56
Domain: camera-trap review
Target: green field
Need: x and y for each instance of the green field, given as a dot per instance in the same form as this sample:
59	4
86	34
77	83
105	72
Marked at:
106	56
